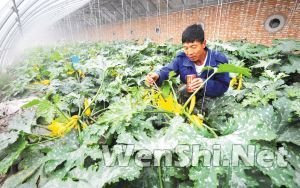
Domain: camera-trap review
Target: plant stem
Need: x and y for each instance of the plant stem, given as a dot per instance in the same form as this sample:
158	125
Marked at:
48	140
211	130
40	136
191	119
93	114
92	119
77	76
96	96
173	91
39	126
62	113
160	176
79	110
156	87
168	116
240	82
153	111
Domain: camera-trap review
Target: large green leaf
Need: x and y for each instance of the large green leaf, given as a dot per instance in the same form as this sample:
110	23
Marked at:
121	112
44	108
11	154
7	138
55	56
205	176
292	134
281	175
293	67
56	183
160	141
65	152
23	177
293	91
292	154
266	64
105	175
265	113
234	69
23	121
249	128
219	113
284	113
287	45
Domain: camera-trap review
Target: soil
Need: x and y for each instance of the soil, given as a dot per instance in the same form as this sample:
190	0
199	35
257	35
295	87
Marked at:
9	109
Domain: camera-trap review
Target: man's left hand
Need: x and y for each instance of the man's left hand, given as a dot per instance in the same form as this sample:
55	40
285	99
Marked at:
196	83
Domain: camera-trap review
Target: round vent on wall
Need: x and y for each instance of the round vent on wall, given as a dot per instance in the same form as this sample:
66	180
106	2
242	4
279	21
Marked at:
275	23
157	30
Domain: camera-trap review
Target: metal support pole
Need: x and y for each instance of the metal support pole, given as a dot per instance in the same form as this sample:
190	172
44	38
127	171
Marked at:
15	8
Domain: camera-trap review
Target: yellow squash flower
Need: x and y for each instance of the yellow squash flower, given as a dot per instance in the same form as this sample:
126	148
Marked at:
57	128
61	128
169	104
197	120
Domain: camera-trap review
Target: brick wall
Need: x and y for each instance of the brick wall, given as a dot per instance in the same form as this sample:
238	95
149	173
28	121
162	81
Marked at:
239	20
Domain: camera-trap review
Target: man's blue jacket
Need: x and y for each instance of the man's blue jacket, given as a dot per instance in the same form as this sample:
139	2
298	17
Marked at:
182	65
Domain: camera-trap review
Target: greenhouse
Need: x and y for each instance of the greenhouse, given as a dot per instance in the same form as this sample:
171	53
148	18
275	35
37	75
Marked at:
149	93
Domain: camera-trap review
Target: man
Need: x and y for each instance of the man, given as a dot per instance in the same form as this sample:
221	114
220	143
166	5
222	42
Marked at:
194	57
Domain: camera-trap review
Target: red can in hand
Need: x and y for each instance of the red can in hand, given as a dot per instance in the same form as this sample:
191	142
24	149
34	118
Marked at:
189	79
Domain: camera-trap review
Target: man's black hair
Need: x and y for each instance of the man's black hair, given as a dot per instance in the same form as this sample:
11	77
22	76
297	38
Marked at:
193	33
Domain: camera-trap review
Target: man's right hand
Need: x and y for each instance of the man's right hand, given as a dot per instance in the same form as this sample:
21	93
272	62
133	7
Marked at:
151	78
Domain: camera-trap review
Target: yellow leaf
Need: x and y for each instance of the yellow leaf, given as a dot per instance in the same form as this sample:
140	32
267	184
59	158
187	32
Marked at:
44	82
88	111
36	68
236	82
169	104
114	73
197	120
240	82
233	81
192	105
73	123
70	72
84	125
81	74
38	77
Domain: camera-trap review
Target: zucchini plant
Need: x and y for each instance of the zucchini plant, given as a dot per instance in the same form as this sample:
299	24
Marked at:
80	129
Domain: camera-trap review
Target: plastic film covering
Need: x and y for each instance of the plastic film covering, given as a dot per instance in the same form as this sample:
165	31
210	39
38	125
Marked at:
18	17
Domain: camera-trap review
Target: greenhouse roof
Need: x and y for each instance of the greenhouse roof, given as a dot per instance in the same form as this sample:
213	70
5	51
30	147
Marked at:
20	16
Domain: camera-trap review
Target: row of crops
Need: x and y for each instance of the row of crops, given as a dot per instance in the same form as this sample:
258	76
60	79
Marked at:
93	122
